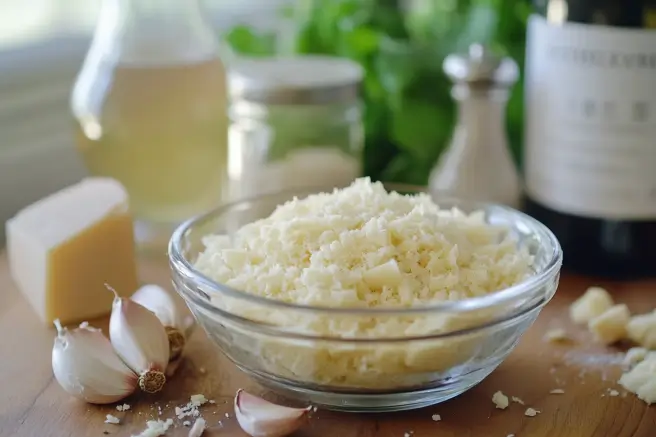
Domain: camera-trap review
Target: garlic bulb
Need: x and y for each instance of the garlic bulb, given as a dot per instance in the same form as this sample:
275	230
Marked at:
86	366
140	339
171	310
261	418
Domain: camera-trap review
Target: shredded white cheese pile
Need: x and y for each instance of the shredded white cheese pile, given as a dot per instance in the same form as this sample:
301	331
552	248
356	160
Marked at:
365	247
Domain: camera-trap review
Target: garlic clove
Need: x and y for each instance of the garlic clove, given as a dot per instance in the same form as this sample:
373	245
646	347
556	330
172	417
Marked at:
261	418
87	367
140	339
171	310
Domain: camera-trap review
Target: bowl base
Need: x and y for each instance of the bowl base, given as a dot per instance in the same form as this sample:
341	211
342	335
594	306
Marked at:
374	402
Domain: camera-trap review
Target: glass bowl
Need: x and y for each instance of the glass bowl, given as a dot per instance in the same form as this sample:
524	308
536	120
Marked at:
427	354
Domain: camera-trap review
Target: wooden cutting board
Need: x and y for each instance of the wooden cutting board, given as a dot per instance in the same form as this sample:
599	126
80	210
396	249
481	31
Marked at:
32	403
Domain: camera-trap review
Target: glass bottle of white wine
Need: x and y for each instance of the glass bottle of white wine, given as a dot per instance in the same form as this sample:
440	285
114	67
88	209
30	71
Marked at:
150	106
590	158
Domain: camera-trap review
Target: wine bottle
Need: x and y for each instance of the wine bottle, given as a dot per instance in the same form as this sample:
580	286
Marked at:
590	145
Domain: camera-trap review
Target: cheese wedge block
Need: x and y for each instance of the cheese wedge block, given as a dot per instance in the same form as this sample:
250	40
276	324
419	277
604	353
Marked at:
65	247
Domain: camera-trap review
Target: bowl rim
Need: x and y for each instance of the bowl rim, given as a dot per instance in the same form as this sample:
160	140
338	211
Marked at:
181	266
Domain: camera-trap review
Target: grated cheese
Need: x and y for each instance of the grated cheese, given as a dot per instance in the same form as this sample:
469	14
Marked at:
363	247
641	379
500	400
191	408
112	419
155	428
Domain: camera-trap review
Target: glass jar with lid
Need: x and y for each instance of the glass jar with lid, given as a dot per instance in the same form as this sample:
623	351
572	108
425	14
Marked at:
295	121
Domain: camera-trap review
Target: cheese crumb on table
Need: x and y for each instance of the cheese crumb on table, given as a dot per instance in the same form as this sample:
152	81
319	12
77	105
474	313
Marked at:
500	400
642	329
634	356
641	379
198	400
591	304
191	408
436	417
517	400
613	393
557	391
556	335
112	419
124	407
610	326
531	412
155	428
65	247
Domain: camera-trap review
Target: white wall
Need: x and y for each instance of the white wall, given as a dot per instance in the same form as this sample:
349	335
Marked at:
37	155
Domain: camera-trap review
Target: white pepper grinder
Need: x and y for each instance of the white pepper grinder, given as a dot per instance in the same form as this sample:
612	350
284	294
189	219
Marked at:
477	164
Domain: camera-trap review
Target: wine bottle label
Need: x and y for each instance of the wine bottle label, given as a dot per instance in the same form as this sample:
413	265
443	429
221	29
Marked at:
591	119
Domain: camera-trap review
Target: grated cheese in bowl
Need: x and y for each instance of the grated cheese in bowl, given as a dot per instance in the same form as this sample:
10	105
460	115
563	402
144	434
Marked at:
362	263
363	247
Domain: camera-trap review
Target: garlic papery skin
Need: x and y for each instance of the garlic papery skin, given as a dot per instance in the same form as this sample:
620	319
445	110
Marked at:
86	366
140	339
171	310
261	418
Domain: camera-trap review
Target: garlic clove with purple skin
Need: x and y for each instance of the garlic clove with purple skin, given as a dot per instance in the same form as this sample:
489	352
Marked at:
140	339
87	367
261	418
171	310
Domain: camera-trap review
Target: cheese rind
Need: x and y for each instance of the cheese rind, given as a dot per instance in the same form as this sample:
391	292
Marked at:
65	247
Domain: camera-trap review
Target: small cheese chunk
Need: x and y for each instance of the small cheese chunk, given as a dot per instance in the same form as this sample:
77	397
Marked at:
500	400
112	419
641	380
65	247
594	301
156	428
387	274
610	326
642	330
634	356
531	412
556	335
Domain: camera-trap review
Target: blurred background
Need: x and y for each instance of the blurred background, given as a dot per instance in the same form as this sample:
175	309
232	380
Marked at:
42	46
190	107
401	44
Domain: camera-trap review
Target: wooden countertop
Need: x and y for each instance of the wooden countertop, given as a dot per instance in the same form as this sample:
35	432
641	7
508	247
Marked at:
33	404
